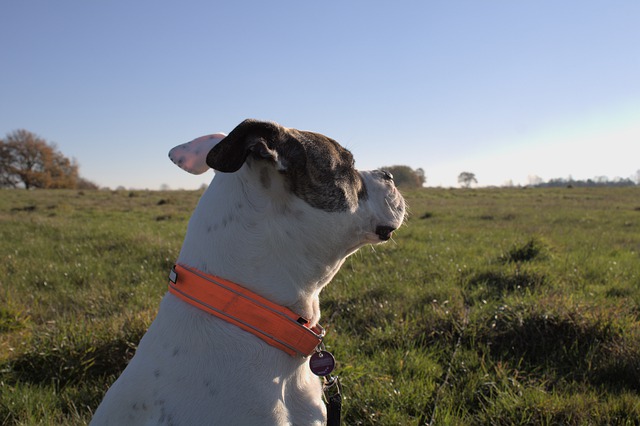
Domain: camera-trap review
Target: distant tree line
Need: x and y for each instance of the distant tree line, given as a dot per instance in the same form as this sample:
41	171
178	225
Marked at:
28	161
601	181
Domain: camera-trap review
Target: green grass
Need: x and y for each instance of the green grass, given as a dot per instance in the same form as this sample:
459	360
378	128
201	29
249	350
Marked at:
491	306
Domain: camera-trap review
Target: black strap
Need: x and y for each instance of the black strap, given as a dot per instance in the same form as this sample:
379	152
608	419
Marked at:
333	400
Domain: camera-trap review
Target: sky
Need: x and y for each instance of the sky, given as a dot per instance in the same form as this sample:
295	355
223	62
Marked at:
504	89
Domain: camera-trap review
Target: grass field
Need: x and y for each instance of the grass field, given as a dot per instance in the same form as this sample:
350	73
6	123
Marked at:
490	307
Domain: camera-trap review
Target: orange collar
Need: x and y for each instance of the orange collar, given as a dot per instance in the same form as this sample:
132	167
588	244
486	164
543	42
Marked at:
278	326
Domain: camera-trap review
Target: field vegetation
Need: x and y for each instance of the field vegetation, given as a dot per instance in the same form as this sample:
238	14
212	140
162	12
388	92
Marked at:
490	306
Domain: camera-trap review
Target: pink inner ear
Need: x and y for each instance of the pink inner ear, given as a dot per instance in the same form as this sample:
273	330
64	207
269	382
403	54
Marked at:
192	156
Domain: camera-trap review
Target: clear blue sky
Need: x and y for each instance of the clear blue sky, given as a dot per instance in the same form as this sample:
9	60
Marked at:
504	89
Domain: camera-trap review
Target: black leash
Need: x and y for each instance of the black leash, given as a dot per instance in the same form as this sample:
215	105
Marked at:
333	400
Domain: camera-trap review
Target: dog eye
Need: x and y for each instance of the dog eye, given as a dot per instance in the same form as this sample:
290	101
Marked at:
386	175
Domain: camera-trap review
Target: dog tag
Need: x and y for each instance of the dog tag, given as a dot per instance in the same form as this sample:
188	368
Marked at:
322	363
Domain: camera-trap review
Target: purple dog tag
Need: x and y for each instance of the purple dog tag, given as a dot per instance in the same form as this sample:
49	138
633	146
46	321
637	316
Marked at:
322	363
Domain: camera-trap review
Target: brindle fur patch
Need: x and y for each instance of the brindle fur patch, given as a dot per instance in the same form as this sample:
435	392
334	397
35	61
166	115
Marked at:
316	168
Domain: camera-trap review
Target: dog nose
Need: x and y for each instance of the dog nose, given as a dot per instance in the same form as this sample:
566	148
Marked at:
384	232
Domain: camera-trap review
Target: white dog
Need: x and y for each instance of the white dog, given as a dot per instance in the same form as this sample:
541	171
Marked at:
232	340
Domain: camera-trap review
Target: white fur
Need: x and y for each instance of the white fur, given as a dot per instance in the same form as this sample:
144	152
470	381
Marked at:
192	368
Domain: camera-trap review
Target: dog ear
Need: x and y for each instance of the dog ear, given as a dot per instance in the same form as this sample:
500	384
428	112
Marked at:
192	156
251	137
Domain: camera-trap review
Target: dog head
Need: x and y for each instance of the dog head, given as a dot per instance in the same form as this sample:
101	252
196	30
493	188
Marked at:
313	167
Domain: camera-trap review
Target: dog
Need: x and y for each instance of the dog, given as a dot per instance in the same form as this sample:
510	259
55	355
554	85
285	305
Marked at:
284	210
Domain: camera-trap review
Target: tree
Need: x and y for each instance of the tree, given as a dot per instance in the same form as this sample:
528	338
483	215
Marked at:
86	184
466	179
406	177
29	160
7	177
